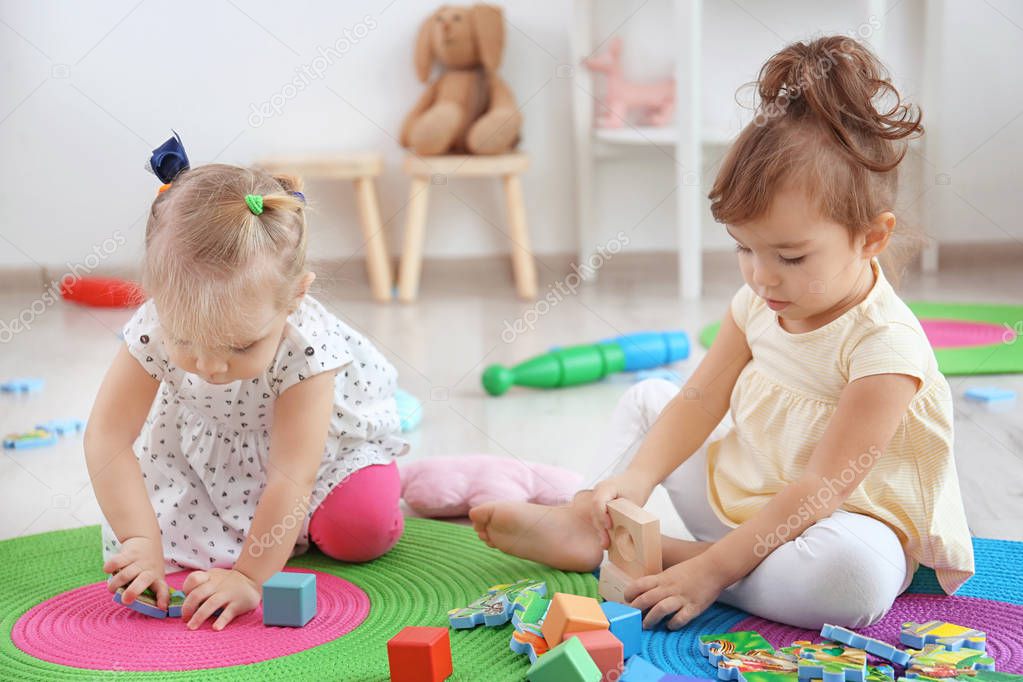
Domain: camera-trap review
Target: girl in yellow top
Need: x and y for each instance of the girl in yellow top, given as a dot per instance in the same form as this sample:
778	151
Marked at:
834	477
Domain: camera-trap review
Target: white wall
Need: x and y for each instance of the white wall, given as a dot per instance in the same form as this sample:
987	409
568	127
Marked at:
87	90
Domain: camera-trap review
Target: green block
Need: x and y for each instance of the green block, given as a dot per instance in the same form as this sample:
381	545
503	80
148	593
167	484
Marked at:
567	662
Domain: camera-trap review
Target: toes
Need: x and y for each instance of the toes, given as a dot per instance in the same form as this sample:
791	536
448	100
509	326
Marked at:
481	515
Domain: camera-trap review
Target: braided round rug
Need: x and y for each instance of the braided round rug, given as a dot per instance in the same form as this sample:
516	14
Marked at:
992	601
52	595
435	566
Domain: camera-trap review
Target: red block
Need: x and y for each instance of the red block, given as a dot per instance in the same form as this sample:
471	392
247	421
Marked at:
606	651
420	654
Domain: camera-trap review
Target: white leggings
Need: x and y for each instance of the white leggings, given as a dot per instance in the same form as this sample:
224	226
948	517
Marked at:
845	569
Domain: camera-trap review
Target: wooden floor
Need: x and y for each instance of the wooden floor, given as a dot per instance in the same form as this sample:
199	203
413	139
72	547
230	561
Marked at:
467	318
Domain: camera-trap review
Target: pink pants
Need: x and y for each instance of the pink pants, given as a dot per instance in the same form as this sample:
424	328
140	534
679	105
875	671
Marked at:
360	518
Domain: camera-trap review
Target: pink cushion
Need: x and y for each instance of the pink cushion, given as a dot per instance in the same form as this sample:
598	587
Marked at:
450	486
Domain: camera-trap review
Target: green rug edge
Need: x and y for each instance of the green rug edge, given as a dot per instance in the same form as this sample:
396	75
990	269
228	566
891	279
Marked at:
1002	358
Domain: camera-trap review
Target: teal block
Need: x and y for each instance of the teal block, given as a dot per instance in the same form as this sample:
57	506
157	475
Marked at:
289	599
567	662
627	625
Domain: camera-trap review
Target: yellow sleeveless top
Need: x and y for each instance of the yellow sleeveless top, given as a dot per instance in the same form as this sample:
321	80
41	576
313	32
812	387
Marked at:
787	393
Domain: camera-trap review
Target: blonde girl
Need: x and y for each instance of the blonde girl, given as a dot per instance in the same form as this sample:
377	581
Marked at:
241	419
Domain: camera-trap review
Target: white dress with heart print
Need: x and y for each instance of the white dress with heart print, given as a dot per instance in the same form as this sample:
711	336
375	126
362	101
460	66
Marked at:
204	448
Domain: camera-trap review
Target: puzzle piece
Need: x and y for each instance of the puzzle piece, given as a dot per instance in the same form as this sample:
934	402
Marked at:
529	607
177	600
735	654
868	644
145	603
880	673
495	607
528	611
730	643
22	385
832	663
635	539
528	643
968	676
950	635
989	394
936	661
37	438
62	427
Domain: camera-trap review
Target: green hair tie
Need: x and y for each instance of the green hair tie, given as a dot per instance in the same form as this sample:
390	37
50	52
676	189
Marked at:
255	203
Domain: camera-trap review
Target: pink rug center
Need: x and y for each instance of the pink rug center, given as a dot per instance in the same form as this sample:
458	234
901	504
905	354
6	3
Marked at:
961	334
84	628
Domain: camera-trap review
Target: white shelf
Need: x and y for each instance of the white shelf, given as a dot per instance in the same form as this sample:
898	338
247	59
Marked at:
686	138
649	135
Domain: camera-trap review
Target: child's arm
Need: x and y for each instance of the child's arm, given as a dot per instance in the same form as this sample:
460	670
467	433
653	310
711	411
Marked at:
868	414
301	420
682	427
117	416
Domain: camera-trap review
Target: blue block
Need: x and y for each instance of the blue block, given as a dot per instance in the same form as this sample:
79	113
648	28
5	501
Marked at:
627	625
638	669
989	394
289	599
868	644
22	385
140	606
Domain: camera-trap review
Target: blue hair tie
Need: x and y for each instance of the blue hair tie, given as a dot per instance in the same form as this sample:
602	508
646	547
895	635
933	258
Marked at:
168	160
300	196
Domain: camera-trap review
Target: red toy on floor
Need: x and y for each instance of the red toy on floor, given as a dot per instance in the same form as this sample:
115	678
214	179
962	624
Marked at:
102	292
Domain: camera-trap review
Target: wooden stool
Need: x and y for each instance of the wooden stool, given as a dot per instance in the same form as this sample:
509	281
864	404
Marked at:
360	169
507	167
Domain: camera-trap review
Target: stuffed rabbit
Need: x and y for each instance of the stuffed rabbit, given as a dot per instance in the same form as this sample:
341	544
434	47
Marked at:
468	109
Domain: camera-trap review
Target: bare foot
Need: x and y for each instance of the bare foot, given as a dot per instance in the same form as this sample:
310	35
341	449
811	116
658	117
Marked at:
561	537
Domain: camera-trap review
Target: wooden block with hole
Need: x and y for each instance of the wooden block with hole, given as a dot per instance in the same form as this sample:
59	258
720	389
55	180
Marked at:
613	582
635	539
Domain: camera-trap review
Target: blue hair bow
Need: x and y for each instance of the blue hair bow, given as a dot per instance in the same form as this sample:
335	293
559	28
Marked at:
168	160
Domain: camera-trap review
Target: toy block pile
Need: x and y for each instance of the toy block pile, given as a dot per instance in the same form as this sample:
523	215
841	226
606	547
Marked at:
940	651
571	638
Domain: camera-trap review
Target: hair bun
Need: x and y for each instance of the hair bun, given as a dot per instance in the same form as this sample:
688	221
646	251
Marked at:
840	82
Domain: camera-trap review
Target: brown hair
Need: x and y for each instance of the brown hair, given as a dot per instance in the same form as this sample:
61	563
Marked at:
818	127
207	253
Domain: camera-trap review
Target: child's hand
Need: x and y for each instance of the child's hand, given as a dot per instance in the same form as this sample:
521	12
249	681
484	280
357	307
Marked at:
685	590
218	588
626	484
137	566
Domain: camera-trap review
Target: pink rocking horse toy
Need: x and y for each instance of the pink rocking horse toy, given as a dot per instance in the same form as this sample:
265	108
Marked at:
655	102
